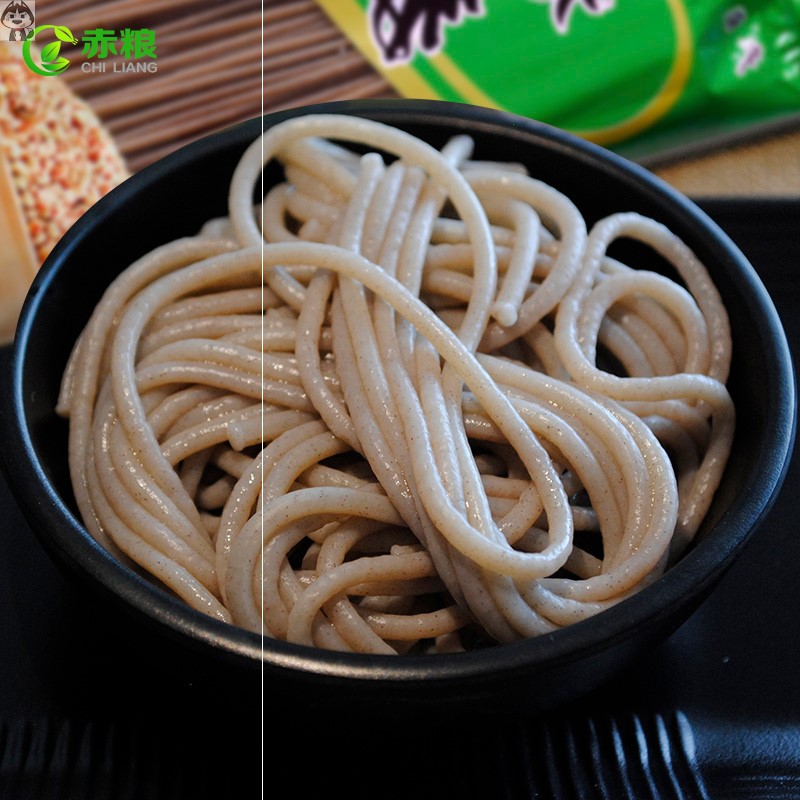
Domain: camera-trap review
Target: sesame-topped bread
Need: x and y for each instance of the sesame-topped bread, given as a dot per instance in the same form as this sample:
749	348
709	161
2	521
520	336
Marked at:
61	158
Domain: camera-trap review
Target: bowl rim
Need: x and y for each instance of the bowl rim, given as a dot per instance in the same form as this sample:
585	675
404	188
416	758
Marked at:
64	535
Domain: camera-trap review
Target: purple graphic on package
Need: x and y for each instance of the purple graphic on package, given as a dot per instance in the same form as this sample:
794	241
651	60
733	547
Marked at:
750	55
561	10
402	27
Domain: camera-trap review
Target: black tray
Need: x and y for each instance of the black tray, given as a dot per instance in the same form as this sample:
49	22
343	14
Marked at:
712	713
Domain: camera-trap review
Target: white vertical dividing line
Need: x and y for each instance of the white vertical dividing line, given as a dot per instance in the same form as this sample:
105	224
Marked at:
261	561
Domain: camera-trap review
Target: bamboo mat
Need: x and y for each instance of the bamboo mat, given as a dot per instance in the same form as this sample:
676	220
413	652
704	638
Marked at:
221	64
210	62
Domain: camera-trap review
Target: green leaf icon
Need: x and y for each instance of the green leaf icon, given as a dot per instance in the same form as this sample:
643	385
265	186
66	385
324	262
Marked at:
47	62
65	34
59	65
50	52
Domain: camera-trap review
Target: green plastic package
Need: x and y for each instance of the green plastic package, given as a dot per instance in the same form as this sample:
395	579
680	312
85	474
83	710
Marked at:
643	77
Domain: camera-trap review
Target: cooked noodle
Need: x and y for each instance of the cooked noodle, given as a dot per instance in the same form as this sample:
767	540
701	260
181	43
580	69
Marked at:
406	404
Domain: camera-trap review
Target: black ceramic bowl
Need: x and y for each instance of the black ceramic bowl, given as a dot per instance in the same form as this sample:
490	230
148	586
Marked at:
174	197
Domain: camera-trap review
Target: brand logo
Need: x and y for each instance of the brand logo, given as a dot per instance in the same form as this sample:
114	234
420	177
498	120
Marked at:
50	61
128	50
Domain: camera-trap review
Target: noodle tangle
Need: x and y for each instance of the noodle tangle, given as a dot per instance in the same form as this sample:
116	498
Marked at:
408	403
